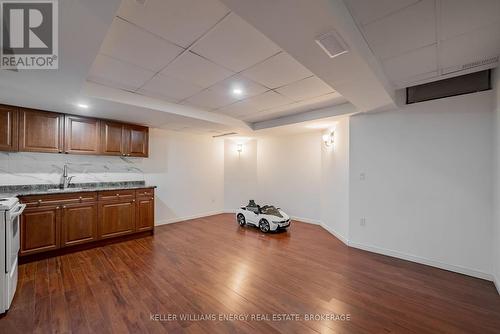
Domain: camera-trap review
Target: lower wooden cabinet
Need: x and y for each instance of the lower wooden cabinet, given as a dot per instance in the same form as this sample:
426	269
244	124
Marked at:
51	222
79	224
116	218
145	211
40	229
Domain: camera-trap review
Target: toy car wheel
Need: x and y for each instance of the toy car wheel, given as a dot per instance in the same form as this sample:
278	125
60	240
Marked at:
264	226
241	220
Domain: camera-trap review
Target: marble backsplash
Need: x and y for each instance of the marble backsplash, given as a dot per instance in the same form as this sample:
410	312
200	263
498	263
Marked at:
43	168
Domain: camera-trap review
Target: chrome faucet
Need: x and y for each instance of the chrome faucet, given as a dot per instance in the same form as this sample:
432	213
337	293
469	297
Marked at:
66	180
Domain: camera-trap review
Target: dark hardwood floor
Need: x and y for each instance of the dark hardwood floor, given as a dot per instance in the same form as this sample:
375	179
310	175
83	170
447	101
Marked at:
211	266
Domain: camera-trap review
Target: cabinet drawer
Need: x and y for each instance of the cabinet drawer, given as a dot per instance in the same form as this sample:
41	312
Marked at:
58	199
146	192
114	195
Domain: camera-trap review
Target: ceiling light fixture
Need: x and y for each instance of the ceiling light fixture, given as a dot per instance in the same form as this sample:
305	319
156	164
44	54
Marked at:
237	91
82	105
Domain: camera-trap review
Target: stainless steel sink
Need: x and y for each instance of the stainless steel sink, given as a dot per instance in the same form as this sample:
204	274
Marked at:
64	190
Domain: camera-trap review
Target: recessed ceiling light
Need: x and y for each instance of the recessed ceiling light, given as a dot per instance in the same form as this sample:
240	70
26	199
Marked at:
237	91
82	105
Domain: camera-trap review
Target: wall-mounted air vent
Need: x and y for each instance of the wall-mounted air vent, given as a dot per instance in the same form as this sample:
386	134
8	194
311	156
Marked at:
464	84
468	66
225	134
332	44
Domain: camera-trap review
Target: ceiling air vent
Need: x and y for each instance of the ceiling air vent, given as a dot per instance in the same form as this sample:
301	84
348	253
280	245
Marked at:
332	44
225	134
468	66
141	2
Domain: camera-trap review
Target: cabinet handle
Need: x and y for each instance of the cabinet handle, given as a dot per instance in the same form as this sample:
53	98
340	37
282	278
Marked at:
39	201
128	155
118	195
64	206
57	208
81	198
133	200
152	198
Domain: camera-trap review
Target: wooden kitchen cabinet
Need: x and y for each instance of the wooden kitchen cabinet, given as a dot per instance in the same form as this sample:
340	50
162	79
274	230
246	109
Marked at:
116	218
79	224
81	135
41	131
145	212
112	138
8	128
40	229
124	139
136	140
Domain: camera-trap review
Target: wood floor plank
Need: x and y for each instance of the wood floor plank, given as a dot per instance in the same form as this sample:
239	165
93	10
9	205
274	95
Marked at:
211	266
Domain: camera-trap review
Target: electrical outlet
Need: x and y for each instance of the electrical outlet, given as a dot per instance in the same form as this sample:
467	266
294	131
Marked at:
362	221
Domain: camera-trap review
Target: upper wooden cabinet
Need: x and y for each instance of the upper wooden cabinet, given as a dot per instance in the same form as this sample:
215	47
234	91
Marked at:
111	138
136	140
81	135
31	130
40	131
124	139
8	128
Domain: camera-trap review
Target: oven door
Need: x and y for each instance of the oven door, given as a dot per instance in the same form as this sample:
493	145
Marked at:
12	242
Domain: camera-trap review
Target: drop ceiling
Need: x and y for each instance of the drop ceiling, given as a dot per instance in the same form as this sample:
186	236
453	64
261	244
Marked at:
195	53
421	40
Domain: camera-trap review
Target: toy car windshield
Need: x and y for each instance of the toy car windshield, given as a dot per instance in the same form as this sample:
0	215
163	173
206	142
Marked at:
270	210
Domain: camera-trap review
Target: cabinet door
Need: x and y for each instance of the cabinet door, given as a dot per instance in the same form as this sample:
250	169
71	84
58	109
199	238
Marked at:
8	128
40	229
81	135
40	131
116	218
79	224
112	138
145	214
136	140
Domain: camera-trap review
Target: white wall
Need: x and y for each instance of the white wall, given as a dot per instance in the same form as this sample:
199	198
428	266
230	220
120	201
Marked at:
335	182
240	173
427	193
289	174
496	175
188	170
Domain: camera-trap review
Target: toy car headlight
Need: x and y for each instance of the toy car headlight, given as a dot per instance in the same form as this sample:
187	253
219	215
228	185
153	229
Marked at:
276	222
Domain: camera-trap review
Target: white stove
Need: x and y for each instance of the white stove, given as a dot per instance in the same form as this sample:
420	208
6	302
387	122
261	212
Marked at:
10	210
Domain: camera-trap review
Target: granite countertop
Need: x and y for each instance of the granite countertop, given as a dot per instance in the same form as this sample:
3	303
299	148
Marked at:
47	189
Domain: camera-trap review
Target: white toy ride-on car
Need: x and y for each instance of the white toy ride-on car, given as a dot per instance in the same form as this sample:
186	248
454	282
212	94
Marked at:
266	218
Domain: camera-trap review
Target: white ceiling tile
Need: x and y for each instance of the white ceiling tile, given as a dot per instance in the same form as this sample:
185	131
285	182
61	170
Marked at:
235	44
461	16
210	99
305	89
323	101
411	64
112	72
171	88
179	21
473	46
368	11
277	71
129	43
267	100
193	68
408	29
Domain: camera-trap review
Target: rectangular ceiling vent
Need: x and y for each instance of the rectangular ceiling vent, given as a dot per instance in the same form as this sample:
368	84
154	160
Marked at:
468	66
332	43
225	134
464	84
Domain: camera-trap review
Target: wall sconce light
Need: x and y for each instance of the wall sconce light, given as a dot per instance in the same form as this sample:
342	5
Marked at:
328	139
239	148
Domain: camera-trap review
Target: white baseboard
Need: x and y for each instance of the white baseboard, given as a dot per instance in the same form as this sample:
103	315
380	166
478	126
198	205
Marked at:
421	260
336	234
496	281
306	220
179	219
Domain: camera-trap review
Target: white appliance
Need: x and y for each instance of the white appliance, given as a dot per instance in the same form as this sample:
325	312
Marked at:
10	211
